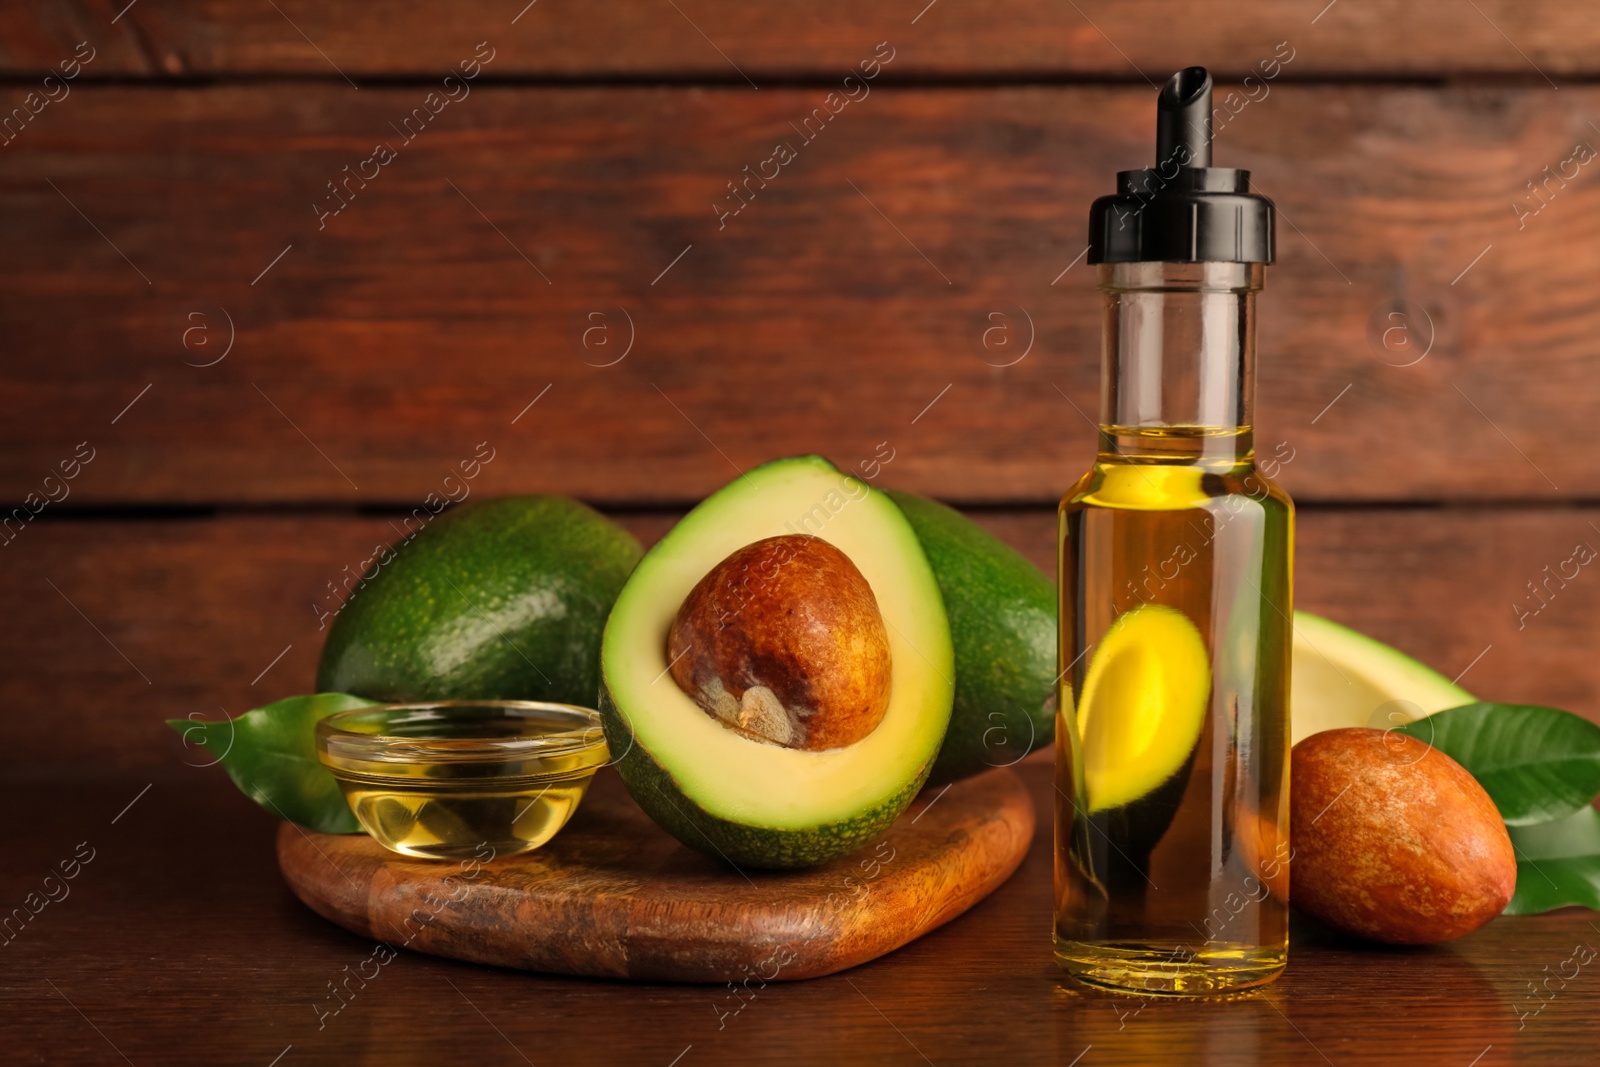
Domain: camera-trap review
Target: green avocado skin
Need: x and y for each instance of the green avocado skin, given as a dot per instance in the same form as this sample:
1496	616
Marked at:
657	792
501	598
1003	622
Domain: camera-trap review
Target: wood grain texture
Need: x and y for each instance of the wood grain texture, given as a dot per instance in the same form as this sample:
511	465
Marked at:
614	896
721	38
842	310
179	944
219	614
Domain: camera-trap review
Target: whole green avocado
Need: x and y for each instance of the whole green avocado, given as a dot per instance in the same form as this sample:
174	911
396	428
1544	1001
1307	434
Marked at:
501	598
1003	622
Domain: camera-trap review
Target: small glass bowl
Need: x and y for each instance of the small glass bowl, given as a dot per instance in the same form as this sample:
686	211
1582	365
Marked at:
463	779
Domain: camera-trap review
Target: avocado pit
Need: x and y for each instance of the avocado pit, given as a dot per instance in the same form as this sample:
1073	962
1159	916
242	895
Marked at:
784	642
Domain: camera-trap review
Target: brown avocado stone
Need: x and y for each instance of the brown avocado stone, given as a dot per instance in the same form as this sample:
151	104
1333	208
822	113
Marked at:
783	641
1393	840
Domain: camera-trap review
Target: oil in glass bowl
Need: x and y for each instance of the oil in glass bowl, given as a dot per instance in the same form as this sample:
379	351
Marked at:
452	779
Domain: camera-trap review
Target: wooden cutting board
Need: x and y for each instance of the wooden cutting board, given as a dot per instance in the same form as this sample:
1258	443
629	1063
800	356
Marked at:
614	896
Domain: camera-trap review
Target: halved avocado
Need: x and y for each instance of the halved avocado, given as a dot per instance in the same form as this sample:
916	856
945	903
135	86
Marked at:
1344	678
746	800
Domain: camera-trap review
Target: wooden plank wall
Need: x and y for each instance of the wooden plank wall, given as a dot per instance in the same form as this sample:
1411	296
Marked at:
267	276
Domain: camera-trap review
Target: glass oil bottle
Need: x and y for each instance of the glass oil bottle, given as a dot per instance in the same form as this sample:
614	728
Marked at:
1171	845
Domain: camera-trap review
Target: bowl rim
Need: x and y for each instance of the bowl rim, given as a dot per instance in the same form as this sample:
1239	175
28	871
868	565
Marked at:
585	738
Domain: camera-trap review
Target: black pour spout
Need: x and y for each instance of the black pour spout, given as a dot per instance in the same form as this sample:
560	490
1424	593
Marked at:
1182	210
1183	119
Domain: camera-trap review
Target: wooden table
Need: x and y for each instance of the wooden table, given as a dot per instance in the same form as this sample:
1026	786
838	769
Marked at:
178	943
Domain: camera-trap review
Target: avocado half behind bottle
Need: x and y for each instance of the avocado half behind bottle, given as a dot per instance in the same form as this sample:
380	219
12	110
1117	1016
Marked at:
501	598
1344	678
1002	613
745	800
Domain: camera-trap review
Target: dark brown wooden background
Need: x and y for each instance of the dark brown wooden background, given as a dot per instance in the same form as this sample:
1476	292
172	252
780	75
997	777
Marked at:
164	208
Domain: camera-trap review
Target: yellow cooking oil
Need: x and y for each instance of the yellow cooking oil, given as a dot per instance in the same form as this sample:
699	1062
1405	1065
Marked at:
1171	742
434	818
463	779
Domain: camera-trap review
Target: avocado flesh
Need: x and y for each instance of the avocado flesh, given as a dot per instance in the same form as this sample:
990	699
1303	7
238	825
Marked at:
500	598
1002	613
1343	678
747	801
1143	706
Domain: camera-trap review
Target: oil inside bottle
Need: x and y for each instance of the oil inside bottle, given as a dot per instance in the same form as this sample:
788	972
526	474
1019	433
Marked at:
1171	868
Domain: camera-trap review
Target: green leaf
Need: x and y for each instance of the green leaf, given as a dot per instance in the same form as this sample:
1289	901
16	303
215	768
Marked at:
271	755
1544	885
1576	835
1537	764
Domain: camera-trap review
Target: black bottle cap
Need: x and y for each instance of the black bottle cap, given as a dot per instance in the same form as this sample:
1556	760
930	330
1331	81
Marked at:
1182	210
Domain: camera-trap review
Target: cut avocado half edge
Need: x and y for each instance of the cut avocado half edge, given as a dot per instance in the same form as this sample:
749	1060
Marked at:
748	801
1344	678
